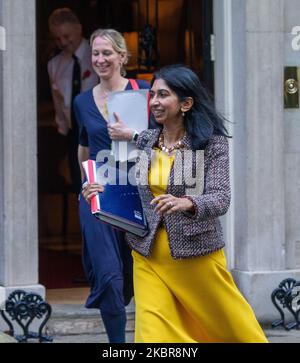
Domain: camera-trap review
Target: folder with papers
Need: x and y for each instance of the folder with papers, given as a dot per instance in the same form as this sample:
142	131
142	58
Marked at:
119	205
133	109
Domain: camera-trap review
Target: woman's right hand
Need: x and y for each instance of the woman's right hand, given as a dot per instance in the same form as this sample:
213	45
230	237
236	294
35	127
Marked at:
118	130
90	190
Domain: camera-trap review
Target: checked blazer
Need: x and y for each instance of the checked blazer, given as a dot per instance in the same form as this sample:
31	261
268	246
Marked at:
189	235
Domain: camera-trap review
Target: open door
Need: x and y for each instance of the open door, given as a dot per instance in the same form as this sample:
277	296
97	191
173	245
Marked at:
181	33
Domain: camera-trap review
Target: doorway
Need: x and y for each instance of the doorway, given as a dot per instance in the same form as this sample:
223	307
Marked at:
180	31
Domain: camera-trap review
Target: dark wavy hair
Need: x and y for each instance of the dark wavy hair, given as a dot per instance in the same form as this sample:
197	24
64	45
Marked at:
202	121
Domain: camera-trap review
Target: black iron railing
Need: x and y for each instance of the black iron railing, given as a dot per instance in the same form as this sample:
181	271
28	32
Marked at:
286	299
24	308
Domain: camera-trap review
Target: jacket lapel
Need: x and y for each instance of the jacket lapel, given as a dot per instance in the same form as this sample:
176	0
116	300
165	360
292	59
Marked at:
144	165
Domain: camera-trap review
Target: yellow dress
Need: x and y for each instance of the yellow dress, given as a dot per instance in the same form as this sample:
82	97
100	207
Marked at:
190	300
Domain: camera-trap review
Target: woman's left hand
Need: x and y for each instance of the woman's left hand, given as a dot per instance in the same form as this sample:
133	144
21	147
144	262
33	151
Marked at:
167	204
118	130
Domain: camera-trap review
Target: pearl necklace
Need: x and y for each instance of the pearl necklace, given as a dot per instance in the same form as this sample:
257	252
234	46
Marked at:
169	150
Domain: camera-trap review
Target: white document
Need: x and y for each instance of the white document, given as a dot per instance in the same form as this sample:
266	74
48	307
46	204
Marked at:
132	108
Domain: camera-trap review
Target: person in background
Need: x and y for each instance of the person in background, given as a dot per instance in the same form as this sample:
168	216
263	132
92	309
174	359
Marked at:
106	256
70	72
183	290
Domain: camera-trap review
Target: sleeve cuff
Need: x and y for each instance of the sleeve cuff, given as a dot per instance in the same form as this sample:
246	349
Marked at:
191	214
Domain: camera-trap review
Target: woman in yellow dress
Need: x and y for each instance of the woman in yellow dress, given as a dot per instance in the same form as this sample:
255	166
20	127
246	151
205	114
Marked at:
183	290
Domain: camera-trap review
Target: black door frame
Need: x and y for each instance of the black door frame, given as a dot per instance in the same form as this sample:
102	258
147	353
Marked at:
208	69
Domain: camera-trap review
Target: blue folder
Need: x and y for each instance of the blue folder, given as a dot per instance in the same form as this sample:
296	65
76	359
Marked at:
120	205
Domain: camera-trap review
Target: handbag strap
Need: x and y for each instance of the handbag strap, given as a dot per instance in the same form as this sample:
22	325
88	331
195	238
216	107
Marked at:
134	84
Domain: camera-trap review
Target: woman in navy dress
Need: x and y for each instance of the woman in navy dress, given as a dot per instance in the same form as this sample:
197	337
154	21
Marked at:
106	256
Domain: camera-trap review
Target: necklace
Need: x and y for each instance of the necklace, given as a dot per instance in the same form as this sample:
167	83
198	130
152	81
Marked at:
103	98
169	150
103	102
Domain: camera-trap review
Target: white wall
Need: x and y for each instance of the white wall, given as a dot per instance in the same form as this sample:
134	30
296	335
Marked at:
18	149
250	56
292	144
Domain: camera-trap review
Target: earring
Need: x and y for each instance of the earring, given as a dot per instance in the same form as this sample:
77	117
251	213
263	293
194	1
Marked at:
122	70
183	114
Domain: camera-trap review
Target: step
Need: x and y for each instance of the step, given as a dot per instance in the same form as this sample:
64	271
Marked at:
88	338
4	338
73	319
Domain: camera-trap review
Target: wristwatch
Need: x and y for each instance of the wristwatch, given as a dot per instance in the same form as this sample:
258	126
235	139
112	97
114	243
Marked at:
134	136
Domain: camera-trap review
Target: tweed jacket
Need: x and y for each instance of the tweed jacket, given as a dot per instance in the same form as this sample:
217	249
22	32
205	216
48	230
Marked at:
189	235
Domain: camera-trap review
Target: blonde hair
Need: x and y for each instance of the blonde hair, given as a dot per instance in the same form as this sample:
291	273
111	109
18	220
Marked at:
117	41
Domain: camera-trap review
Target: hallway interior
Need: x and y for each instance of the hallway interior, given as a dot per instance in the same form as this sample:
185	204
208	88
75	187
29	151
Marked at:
71	296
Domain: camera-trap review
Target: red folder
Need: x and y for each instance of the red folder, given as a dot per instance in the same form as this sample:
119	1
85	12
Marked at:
89	167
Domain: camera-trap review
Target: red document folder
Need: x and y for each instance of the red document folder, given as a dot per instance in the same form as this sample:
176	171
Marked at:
89	167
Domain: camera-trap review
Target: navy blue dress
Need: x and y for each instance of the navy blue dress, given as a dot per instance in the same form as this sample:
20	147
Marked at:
106	257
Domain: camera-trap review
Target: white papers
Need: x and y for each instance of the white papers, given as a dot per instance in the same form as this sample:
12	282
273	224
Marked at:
132	108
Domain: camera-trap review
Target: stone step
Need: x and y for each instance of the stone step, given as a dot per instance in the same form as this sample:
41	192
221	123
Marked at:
69	320
88	338
4	338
